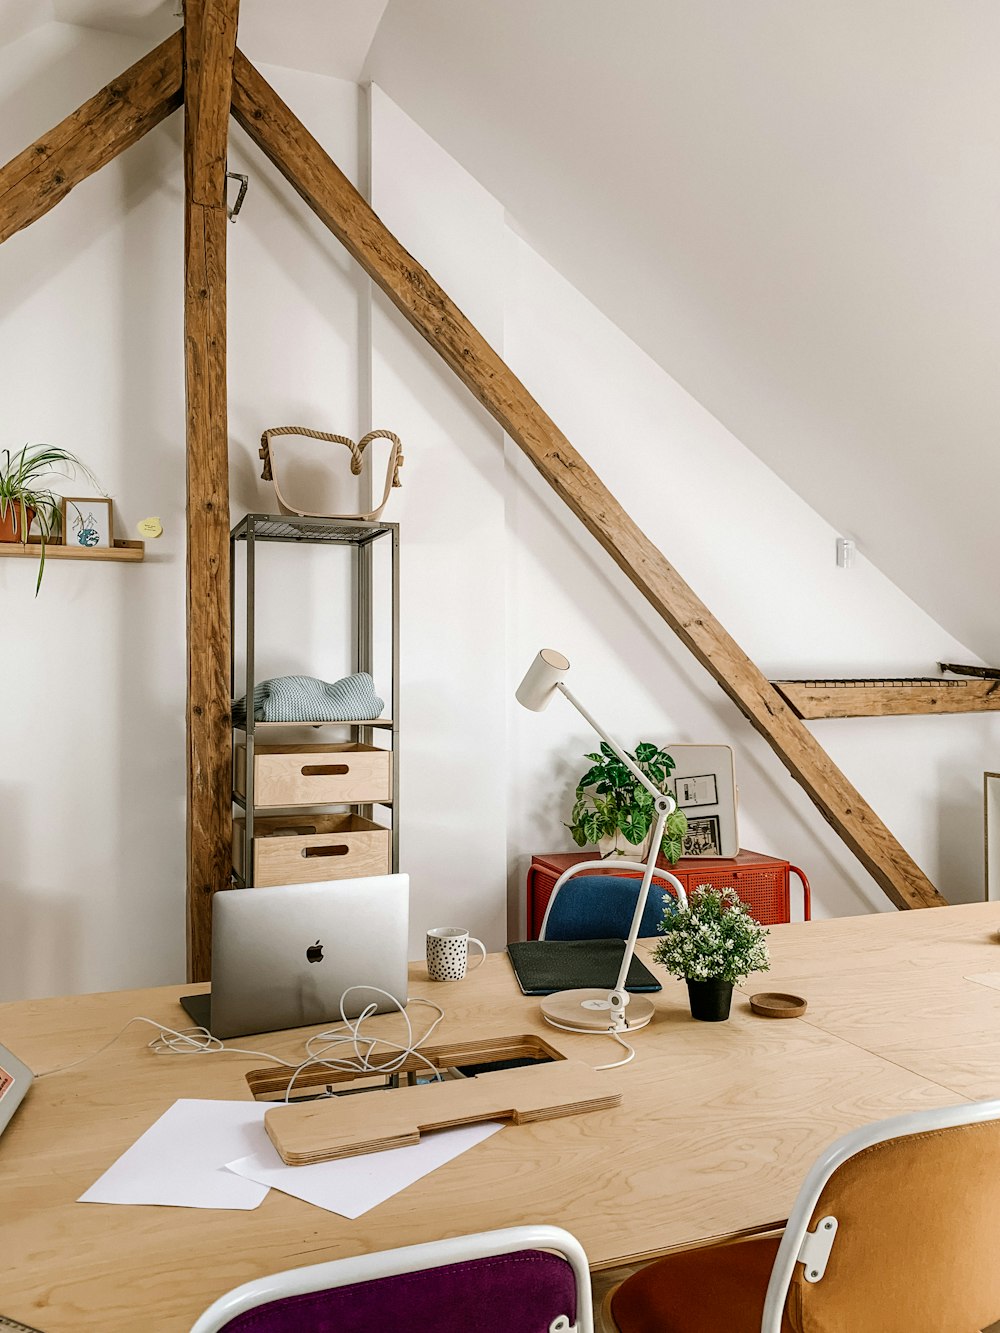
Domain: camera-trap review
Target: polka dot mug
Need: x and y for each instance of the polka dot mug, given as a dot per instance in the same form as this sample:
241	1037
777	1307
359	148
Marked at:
448	953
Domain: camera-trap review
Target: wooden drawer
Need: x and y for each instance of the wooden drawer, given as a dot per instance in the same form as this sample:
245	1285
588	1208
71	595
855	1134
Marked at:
314	847
350	774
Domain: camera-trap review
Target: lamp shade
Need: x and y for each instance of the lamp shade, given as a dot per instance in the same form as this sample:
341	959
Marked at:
541	679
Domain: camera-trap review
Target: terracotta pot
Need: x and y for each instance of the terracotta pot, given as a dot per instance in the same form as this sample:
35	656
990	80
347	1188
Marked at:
10	523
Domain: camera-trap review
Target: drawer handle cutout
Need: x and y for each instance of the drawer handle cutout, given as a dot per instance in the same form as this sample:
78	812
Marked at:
324	770
339	850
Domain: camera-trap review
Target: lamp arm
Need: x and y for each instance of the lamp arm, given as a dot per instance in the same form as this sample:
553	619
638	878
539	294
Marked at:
618	999
619	996
630	764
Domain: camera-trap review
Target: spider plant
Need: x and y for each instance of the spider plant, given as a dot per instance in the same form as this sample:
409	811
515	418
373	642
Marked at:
27	499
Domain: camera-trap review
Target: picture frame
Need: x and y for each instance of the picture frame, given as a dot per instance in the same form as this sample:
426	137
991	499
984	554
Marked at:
699	789
991	836
703	836
87	521
703	784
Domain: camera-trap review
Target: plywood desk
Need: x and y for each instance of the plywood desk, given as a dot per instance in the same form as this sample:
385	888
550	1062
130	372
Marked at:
717	1127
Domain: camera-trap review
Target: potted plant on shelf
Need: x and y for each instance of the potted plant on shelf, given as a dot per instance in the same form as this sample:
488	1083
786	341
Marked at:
616	813
25	501
712	944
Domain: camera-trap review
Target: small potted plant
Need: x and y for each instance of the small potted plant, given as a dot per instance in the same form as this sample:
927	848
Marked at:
712	944
616	813
25	501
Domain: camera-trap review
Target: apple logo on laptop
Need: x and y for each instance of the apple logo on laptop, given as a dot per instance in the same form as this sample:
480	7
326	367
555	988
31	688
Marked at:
315	953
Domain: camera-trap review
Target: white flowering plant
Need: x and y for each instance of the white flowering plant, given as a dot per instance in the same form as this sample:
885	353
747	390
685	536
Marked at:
713	938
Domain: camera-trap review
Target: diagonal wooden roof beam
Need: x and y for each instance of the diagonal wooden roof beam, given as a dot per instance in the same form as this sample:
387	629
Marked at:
209	46
300	158
111	121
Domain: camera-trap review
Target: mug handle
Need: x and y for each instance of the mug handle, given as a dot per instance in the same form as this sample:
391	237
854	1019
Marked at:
481	945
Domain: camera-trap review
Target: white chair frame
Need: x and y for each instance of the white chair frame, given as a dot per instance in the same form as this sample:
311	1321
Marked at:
798	1244
603	865
410	1259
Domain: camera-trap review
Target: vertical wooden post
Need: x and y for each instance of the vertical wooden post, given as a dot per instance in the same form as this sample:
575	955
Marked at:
209	47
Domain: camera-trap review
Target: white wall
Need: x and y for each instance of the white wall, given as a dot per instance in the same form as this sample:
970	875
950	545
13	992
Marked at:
451	512
92	787
758	555
764	563
792	207
91	357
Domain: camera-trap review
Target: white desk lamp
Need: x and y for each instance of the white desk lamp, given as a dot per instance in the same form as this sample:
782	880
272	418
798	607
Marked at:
598	1010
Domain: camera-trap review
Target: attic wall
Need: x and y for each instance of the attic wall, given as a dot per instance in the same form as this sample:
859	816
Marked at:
451	511
92	790
792	207
759	556
92	821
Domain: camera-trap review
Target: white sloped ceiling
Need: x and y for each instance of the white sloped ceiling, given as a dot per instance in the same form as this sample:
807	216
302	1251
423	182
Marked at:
793	206
326	36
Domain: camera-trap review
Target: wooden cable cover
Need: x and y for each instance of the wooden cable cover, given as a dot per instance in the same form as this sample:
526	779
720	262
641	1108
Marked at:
346	1127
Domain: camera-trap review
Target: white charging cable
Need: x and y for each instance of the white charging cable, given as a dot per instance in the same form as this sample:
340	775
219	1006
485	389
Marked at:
610	1032
320	1046
170	1041
199	1041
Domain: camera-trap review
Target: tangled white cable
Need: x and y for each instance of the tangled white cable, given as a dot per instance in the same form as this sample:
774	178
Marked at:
199	1041
318	1047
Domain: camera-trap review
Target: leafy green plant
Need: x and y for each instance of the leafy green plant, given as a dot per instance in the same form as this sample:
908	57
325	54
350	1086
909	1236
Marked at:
22	491
609	800
713	938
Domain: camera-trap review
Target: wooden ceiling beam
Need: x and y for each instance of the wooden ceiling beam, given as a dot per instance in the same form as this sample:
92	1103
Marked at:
307	167
111	121
209	45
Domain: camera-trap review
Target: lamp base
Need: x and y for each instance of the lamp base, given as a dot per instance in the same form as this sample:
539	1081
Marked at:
589	1011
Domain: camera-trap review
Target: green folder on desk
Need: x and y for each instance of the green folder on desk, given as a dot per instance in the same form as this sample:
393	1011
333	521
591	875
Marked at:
545	966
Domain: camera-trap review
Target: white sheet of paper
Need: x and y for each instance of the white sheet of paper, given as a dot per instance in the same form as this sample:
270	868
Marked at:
991	979
181	1159
353	1185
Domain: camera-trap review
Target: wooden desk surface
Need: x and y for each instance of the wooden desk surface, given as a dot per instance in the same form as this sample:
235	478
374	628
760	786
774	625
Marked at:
718	1125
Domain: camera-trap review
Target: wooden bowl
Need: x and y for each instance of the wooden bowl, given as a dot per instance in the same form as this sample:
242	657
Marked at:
773	1004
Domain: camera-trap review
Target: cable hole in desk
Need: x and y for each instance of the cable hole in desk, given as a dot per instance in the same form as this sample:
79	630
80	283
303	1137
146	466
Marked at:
456	1060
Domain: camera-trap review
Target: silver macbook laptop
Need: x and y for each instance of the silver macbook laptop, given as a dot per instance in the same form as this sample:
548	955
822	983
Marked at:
283	957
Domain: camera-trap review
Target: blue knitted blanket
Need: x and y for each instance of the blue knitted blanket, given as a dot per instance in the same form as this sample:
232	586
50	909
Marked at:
306	699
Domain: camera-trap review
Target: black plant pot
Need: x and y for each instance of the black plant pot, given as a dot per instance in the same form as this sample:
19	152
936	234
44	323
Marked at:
710	1000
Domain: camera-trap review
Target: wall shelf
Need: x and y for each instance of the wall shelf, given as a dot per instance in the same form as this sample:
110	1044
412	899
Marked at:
888	698
129	552
265	843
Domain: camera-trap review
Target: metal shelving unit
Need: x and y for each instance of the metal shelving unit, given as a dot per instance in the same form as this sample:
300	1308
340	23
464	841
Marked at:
360	536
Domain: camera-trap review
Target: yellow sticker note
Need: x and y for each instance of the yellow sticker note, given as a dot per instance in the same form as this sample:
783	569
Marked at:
149	527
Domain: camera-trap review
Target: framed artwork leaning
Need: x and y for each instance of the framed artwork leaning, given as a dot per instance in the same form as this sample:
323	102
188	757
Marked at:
702	837
703	784
86	521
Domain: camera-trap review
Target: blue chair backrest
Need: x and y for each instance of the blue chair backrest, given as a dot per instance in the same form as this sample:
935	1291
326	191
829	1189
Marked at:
600	907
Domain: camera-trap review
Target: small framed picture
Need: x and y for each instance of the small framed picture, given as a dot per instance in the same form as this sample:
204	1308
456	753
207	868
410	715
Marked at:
87	521
702	837
702	790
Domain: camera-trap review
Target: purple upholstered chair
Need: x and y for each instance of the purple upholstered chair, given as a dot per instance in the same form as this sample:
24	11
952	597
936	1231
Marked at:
519	1280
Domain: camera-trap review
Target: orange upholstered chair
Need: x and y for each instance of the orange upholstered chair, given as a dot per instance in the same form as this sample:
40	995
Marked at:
894	1231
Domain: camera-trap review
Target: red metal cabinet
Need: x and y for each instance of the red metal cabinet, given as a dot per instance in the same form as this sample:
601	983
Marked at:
763	882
